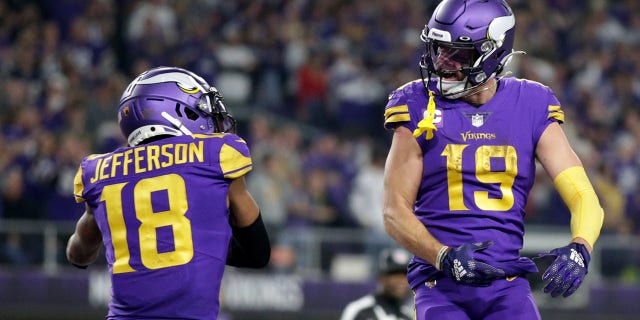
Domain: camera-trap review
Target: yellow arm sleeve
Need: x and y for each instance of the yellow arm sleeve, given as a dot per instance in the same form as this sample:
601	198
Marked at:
586	213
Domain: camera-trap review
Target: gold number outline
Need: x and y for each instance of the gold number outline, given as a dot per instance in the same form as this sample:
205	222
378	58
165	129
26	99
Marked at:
483	173
150	221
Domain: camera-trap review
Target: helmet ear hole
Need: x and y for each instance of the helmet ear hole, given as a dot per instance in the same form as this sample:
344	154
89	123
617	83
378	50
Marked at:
191	115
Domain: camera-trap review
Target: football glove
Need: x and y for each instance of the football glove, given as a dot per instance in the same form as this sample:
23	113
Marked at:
567	271
460	265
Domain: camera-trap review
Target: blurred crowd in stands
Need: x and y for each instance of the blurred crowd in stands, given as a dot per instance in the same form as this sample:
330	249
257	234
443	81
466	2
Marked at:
307	81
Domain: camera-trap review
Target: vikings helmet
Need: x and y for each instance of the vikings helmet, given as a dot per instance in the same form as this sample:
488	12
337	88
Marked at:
167	101
476	34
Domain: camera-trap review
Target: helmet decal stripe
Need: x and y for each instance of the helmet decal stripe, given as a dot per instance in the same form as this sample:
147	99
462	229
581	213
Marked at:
176	123
186	82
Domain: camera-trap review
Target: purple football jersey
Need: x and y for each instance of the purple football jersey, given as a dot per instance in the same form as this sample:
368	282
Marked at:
163	213
478	168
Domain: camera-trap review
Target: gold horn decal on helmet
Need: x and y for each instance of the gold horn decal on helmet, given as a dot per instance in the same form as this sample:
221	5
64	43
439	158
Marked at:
191	90
184	81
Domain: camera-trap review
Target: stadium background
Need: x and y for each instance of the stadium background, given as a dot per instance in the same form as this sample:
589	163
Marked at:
307	81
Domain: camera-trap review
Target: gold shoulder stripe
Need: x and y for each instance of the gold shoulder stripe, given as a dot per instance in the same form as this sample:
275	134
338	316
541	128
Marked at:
554	108
238	173
78	186
397	109
208	135
408	83
398	118
96	155
233	163
556	113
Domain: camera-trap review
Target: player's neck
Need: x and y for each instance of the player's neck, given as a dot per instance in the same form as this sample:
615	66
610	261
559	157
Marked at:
482	94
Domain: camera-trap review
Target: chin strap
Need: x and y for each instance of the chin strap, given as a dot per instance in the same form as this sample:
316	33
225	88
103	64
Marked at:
426	124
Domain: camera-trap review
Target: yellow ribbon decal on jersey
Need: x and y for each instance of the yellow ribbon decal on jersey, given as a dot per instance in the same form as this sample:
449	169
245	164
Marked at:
426	124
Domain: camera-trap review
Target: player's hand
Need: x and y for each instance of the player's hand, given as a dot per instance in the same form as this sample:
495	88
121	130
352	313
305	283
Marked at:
460	265
567	271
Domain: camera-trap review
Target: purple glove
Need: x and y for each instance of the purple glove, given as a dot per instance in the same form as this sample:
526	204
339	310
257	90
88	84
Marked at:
459	265
567	271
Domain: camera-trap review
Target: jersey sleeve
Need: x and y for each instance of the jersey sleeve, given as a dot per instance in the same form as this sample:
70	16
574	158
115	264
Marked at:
549	112
554	110
235	158
78	186
397	112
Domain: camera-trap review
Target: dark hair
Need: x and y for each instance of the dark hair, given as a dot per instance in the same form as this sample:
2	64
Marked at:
393	260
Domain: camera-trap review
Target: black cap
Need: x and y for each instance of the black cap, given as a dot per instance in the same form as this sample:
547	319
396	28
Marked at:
393	261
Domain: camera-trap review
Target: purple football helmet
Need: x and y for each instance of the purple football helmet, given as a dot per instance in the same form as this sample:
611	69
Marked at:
171	101
477	35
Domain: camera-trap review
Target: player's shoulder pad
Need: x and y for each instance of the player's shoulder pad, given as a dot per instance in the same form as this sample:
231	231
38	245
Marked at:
529	87
396	112
78	179
235	157
404	91
536	91
222	138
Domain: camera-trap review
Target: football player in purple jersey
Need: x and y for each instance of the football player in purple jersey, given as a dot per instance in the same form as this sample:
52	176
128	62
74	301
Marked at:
172	207
462	163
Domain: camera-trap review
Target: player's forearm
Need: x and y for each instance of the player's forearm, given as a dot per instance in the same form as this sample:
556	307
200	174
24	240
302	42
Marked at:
410	233
402	178
586	213
85	242
80	252
249	246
